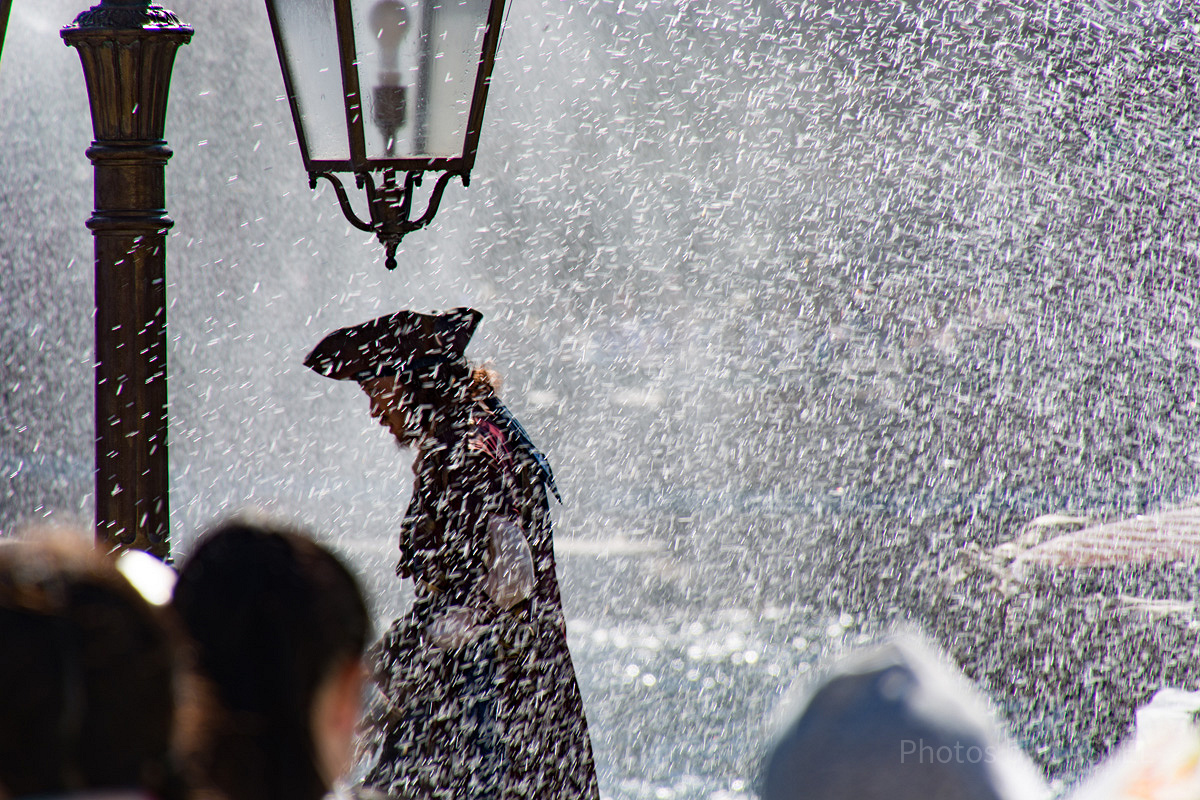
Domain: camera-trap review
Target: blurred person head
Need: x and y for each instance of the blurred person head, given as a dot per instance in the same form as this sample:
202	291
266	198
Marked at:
278	626
87	670
894	722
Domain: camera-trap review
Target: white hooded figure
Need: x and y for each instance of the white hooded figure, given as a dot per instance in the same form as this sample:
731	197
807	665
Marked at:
895	722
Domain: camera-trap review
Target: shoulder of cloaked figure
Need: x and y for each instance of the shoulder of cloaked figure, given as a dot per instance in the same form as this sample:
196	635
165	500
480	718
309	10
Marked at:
489	439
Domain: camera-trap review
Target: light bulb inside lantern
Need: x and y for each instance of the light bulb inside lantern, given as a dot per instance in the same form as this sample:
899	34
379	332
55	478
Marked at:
389	22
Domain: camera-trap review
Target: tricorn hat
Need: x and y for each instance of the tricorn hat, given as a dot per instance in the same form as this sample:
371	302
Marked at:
406	341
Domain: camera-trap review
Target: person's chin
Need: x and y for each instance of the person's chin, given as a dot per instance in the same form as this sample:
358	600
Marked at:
405	440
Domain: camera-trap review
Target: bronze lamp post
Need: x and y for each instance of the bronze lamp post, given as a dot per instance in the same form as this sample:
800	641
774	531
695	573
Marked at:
128	49
5	9
418	70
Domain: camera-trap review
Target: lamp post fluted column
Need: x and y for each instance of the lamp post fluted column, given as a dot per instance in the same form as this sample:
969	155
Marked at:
128	49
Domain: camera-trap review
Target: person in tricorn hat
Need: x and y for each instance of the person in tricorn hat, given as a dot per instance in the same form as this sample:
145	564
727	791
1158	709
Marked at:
479	696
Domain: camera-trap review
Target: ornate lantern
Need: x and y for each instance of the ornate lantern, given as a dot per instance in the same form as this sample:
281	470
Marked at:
383	87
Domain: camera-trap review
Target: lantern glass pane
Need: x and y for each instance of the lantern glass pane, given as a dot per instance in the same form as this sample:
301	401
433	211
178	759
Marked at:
417	65
309	42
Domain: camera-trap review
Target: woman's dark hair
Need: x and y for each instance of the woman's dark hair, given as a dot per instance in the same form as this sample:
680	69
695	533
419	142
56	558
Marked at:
86	676
271	614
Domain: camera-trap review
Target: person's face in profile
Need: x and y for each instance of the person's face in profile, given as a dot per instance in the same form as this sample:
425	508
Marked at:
392	405
336	708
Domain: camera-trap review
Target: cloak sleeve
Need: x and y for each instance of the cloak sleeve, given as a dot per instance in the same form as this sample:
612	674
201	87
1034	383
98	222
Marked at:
458	499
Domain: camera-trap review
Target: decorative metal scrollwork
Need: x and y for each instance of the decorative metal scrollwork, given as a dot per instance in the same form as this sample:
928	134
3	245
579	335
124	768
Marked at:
390	204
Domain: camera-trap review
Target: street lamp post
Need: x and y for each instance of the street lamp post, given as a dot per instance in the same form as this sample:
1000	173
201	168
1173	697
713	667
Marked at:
128	49
5	10
427	64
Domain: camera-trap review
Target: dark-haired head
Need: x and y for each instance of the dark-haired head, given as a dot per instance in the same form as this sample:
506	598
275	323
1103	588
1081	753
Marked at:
86	676
413	404
274	617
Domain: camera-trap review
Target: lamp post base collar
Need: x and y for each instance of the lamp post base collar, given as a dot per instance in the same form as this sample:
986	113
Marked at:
117	16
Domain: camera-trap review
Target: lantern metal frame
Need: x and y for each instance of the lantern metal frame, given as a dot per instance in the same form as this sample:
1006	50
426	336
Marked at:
390	199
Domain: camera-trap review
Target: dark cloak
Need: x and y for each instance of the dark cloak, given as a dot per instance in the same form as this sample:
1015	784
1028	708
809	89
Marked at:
502	717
